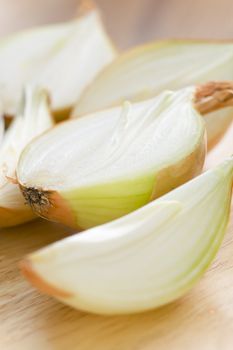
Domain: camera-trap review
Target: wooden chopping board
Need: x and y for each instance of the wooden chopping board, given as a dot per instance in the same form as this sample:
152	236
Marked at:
202	320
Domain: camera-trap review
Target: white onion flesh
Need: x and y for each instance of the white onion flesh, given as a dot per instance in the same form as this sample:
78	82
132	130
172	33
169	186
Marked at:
145	259
62	58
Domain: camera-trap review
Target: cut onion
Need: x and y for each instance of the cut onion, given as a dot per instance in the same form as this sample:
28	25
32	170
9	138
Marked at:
62	58
91	170
146	259
33	118
145	71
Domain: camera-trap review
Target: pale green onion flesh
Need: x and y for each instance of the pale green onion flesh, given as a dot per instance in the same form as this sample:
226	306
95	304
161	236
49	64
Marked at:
110	163
146	259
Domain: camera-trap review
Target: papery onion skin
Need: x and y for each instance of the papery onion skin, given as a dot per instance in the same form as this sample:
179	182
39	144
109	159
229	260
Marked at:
57	208
43	286
10	218
217	124
170	178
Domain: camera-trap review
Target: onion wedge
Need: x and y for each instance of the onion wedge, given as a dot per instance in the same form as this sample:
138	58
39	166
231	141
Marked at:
33	119
146	259
145	71
62	58
88	171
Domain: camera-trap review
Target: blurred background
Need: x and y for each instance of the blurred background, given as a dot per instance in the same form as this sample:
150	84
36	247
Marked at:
129	21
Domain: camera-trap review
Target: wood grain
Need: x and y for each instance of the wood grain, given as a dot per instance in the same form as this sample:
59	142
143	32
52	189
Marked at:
29	320
203	320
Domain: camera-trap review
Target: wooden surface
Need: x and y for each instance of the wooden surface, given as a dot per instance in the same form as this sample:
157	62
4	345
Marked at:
203	320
